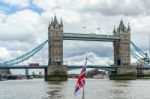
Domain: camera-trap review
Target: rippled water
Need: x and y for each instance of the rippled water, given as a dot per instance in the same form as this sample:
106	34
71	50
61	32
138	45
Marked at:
95	89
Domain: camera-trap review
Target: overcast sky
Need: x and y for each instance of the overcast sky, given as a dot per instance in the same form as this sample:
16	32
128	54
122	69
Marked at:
24	25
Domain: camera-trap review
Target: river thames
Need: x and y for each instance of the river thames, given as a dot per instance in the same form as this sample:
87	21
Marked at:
94	89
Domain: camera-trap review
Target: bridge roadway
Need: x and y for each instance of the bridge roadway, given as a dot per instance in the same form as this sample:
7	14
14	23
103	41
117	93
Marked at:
70	67
90	37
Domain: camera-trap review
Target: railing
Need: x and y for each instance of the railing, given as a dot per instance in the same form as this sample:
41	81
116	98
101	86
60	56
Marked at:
70	67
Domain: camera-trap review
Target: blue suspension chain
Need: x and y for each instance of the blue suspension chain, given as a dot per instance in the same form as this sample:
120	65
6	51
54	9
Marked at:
25	56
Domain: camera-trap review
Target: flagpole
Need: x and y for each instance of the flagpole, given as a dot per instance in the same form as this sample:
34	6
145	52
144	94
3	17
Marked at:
86	61
83	94
81	80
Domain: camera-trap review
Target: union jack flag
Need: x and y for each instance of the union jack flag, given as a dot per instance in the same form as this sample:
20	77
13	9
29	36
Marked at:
81	79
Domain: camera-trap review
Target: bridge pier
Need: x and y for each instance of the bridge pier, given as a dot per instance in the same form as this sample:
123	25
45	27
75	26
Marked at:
124	73
56	73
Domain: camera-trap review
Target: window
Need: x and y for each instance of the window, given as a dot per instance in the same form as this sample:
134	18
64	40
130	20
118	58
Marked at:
59	63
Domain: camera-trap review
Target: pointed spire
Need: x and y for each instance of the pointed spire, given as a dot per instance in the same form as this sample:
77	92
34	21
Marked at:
49	25
121	25
52	21
114	31
128	30
55	20
61	22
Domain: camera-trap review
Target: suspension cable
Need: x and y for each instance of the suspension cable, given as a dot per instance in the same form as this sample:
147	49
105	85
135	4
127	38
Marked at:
139	50
137	57
25	56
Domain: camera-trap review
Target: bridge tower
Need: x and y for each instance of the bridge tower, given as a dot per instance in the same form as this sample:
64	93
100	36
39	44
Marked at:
122	53
56	71
122	48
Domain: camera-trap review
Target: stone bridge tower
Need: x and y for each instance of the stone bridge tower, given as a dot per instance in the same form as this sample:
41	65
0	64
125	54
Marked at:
122	47
122	54
56	70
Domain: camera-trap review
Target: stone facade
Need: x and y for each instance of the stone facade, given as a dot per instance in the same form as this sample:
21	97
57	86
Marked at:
127	70
55	36
122	47
122	55
56	71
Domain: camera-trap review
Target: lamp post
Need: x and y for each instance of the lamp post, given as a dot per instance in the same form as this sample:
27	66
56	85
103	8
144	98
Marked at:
146	59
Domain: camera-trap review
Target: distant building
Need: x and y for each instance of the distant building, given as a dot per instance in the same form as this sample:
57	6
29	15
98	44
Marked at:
4	71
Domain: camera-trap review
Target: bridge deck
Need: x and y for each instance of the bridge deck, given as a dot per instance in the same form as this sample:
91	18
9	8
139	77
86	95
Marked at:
70	67
90	37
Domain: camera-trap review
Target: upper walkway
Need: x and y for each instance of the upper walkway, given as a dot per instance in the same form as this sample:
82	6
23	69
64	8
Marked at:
90	37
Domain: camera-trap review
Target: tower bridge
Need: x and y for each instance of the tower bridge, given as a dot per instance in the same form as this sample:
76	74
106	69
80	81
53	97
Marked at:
121	39
55	70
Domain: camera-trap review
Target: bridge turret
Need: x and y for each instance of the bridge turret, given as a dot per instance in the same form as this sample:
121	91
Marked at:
51	26
114	31
121	25
122	28
61	24
128	30
122	55
55	20
56	70
55	24
122	47
56	45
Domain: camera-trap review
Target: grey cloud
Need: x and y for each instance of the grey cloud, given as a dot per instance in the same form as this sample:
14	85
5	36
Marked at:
94	59
72	48
117	7
104	7
105	16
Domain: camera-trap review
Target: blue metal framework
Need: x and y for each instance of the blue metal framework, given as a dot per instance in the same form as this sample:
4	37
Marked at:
24	56
66	36
141	56
10	64
90	37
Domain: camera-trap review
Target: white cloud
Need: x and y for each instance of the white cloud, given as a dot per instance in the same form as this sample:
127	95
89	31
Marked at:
4	53
21	3
93	59
106	7
22	31
140	31
68	16
30	28
24	25
45	4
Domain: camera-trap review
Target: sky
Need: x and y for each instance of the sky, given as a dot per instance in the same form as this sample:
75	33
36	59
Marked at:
24	25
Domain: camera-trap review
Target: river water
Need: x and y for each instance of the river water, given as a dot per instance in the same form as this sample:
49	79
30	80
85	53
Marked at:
94	89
